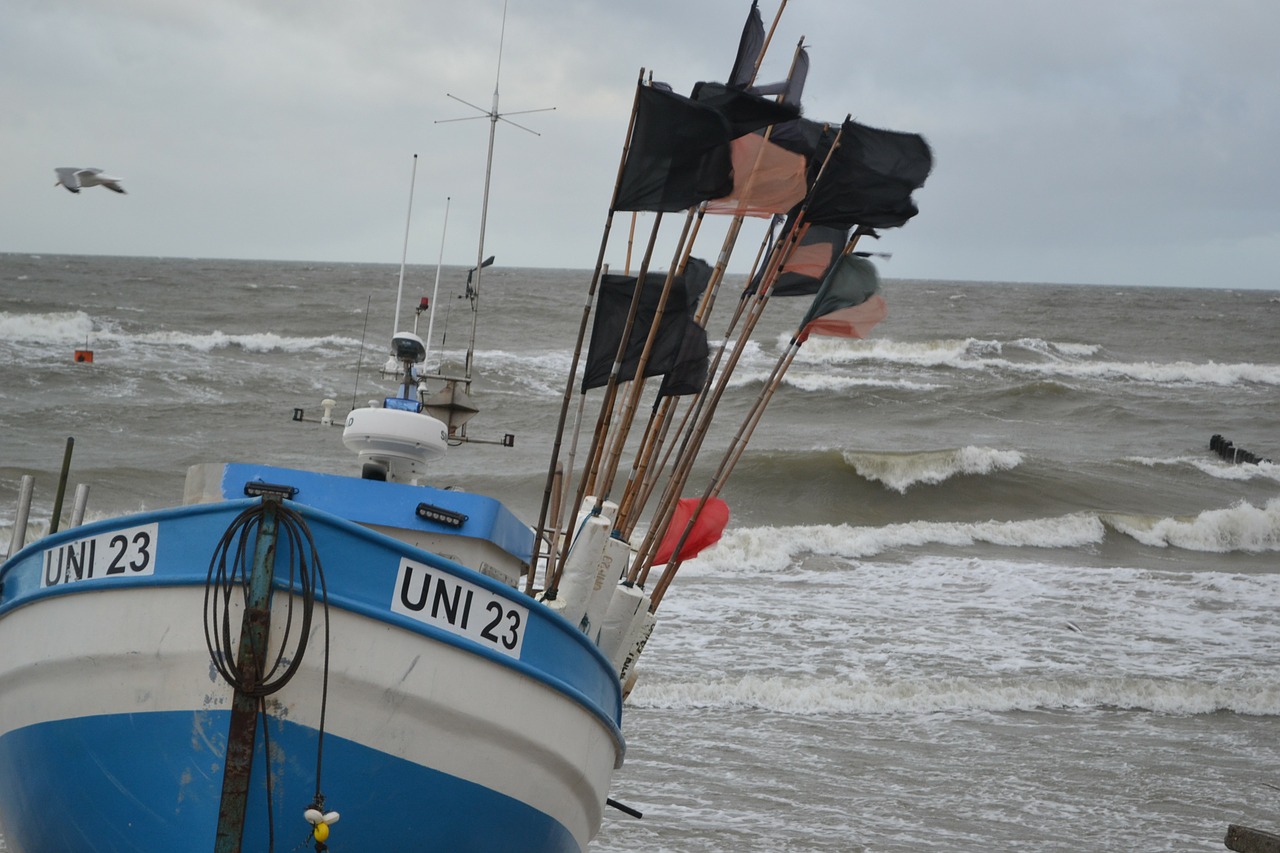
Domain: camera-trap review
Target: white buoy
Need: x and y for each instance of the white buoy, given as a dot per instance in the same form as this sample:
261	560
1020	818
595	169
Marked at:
608	510
583	569
613	566
625	605
641	631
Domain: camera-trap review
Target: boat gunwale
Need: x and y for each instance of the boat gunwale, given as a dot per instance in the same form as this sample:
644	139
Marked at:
610	717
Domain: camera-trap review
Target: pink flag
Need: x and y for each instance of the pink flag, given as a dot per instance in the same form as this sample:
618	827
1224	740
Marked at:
855	321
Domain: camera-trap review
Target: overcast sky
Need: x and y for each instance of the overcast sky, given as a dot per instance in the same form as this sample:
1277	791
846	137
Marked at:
1129	142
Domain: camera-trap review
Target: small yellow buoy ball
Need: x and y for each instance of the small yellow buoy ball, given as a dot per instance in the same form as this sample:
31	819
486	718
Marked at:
321	832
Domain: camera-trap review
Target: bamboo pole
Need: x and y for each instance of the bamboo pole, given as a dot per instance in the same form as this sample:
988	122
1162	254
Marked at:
632	402
707	402
752	418
582	331
649	477
557	494
631	239
629	504
645	560
604	420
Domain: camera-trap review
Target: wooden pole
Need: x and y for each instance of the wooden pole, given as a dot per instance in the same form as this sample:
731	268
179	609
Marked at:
582	333
62	486
631	404
645	558
707	405
1245	840
557	494
604	421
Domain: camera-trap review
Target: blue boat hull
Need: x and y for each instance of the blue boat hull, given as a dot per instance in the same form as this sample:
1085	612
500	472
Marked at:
141	782
458	714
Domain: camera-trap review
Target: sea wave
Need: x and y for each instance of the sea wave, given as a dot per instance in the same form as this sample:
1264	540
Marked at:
901	471
1218	469
752	550
767	549
71	326
261	342
944	352
1242	527
801	695
1038	357
75	327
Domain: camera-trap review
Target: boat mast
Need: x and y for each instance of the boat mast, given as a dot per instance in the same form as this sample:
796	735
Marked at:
494	116
484	203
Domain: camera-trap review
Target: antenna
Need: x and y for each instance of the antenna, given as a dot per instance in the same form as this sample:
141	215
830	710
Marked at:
395	328
494	116
431	319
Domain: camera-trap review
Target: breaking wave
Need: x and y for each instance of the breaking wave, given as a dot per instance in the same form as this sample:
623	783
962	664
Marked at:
901	471
1242	527
860	695
1032	356
75	327
766	549
749	550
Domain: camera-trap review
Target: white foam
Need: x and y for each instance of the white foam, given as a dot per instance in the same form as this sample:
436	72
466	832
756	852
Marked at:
1055	359
832	382
1218	468
70	326
946	634
766	549
900	471
75	327
887	695
1242	527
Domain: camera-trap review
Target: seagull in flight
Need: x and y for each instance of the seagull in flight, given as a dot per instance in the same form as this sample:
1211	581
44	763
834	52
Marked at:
74	178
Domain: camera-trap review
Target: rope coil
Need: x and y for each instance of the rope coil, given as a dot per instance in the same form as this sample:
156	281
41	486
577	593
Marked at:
229	577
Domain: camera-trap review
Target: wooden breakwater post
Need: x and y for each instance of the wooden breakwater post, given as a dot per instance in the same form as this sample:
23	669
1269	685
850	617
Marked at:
1242	839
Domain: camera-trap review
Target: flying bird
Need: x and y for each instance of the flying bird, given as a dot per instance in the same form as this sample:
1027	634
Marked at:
73	179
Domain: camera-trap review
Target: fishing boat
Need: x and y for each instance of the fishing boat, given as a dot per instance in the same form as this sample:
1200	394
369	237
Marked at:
363	661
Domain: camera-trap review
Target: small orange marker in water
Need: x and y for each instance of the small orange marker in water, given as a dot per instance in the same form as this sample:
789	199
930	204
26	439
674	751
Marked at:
84	356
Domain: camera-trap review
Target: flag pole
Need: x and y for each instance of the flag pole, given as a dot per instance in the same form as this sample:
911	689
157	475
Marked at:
705	407
582	332
649	478
648	549
631	239
742	437
632	401
768	38
587	483
726	250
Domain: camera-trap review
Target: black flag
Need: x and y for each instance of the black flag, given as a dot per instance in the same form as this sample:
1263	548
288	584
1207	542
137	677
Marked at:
676	345
678	155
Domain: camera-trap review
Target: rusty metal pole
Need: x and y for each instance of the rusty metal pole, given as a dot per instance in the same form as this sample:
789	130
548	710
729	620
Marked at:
255	627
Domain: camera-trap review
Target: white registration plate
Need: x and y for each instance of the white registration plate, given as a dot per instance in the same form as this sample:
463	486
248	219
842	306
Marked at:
116	554
459	607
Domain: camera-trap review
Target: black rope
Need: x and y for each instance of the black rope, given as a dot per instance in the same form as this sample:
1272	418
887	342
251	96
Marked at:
229	571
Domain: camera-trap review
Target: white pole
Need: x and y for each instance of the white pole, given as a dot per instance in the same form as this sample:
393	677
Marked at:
494	115
431	319
405	253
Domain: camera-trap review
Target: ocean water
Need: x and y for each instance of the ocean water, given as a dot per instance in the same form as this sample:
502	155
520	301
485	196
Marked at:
984	585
